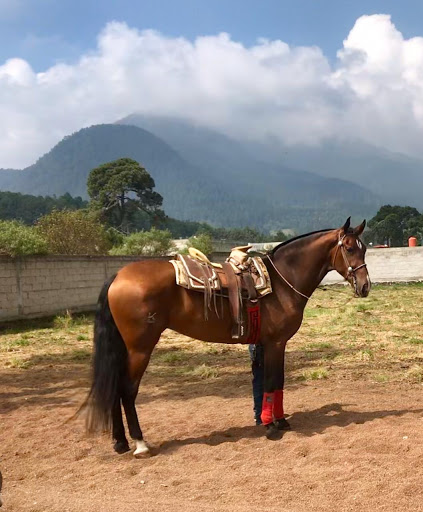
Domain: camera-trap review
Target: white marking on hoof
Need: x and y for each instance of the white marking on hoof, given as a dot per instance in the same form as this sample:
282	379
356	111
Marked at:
142	449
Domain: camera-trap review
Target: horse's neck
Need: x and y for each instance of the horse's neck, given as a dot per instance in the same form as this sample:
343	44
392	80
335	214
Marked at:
304	264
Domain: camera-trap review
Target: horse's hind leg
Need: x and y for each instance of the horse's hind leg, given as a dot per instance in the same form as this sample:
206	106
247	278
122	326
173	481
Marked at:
135	431
138	362
118	430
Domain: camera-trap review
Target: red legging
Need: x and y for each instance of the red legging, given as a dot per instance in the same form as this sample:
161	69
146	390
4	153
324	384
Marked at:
272	407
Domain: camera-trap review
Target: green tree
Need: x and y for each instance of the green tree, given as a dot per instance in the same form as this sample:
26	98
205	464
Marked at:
16	239
155	242
29	208
278	236
122	188
73	232
394	224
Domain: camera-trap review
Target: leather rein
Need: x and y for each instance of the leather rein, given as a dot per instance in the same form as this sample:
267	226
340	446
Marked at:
350	269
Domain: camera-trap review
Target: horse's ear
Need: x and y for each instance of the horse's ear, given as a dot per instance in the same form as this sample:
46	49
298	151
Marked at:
359	229
346	226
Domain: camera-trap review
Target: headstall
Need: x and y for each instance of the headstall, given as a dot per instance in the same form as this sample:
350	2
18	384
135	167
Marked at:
350	270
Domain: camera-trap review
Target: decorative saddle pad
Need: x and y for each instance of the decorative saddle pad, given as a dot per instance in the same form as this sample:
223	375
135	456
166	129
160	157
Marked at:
194	274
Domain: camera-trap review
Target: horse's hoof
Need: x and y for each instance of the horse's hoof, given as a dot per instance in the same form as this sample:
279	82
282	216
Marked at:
272	432
121	447
282	424
142	450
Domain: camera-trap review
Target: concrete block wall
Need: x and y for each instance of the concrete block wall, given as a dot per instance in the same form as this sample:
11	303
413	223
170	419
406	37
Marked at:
395	264
41	286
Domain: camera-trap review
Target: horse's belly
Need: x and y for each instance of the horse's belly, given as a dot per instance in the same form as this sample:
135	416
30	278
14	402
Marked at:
204	330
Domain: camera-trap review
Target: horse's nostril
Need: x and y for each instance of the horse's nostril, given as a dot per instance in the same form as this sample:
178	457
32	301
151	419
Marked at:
365	289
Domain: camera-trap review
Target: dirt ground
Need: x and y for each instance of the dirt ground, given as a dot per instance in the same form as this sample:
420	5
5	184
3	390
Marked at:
355	445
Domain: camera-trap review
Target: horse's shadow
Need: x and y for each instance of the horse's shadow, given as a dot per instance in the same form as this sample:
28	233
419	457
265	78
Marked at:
305	423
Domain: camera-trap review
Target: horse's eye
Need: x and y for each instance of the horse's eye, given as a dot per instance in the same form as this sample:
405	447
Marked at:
350	249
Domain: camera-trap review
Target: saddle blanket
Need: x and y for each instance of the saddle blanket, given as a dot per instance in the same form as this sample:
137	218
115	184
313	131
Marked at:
187	275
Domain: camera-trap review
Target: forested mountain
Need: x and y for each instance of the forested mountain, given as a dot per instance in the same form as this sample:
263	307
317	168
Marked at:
305	197
29	208
397	178
217	182
394	177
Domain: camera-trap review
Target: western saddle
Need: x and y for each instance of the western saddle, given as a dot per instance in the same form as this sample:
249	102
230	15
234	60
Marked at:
242	279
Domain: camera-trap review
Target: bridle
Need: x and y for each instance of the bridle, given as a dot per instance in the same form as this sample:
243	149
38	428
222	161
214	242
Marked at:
350	270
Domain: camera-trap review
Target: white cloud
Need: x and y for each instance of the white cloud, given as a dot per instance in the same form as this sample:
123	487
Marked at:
374	91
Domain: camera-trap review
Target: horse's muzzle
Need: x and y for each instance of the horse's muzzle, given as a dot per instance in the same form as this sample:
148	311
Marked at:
360	283
365	290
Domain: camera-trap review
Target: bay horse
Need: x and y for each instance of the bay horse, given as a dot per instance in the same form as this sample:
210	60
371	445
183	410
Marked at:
143	300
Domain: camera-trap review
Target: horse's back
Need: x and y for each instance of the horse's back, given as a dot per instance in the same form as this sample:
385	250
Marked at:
150	274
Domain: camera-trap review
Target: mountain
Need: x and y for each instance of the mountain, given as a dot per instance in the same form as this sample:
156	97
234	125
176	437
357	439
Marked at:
201	174
298	193
394	177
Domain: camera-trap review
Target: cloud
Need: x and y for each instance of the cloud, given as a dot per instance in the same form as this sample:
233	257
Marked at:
373	92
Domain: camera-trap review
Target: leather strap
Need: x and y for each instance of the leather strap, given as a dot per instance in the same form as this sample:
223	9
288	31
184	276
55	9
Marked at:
249	285
234	300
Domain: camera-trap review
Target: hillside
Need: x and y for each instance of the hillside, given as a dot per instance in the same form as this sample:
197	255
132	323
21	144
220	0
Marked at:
303	197
396	178
230	188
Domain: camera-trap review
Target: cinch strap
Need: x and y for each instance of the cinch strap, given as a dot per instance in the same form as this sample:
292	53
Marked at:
254	323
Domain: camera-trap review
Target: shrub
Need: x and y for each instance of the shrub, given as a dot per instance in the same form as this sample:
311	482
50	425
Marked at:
146	243
202	242
115	237
73	232
16	239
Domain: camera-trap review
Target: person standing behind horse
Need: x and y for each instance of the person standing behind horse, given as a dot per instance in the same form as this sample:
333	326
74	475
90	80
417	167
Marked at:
257	367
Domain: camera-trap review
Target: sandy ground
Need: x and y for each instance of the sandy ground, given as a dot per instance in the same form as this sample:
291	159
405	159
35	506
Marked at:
354	446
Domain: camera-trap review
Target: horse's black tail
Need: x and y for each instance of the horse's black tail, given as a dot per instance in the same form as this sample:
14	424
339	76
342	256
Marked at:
109	367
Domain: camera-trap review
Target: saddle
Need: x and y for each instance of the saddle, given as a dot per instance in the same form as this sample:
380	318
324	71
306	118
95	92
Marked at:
241	279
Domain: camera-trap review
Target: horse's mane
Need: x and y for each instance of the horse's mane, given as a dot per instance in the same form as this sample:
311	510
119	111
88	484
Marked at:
299	237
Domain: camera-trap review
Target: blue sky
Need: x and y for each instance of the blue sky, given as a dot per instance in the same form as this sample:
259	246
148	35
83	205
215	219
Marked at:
299	71
44	32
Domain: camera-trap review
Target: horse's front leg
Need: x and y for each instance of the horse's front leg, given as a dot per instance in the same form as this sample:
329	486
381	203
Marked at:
272	415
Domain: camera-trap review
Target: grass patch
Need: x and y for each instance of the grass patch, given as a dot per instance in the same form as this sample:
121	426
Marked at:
79	354
172	357
415	373
322	345
363	308
204	372
365	355
416	341
20	342
381	377
317	374
18	362
64	321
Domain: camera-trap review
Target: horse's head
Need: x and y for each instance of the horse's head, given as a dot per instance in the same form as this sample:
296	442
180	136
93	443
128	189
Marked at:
348	258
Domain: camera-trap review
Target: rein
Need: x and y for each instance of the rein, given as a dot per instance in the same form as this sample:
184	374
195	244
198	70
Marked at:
287	282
